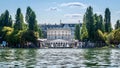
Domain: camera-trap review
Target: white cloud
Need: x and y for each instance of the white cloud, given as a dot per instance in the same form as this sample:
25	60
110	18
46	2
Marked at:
53	9
74	4
73	15
118	12
99	13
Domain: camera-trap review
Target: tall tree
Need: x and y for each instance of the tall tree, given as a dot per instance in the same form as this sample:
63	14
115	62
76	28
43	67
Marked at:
84	33
90	22
40	33
108	27
96	22
117	25
31	19
10	21
77	32
101	24
19	20
6	19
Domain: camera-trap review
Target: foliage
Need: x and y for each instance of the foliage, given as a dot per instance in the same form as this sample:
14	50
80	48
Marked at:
6	19
21	33
30	36
31	19
19	23
117	25
101	24
6	32
117	36
77	32
110	38
108	27
89	21
114	37
40	33
101	36
84	33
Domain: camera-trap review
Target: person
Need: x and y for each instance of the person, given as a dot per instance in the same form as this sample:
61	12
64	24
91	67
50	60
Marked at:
4	43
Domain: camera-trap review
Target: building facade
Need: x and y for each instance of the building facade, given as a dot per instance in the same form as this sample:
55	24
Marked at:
59	33
71	27
57	36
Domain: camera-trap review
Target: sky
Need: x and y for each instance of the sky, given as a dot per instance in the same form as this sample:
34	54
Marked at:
68	11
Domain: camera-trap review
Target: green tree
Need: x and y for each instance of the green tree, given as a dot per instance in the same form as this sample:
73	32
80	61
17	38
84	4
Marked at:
19	23
117	36
6	19
6	32
101	24
113	37
108	27
40	33
96	22
84	33
101	36
31	19
89	20
10	21
117	25
77	32
30	36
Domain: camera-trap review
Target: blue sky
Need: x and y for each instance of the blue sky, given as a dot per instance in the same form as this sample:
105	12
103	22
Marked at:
69	11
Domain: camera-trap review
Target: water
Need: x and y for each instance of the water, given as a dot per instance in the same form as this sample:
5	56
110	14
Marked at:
59	58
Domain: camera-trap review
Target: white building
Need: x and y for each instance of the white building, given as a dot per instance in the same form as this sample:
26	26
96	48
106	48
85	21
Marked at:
71	26
59	33
59	37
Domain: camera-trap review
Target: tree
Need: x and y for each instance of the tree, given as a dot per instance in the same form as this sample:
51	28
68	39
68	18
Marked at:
6	19
40	33
101	24
117	25
117	36
19	23
96	22
6	32
84	33
77	32
89	21
108	27
10	21
101	36
31	19
30	36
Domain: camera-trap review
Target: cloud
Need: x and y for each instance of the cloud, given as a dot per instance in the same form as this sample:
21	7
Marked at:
73	15
117	12
73	4
99	13
53	9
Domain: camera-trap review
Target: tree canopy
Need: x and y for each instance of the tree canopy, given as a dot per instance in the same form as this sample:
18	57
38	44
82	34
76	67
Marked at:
19	22
77	32
108	27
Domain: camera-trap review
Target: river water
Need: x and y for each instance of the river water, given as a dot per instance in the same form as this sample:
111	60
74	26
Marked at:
59	58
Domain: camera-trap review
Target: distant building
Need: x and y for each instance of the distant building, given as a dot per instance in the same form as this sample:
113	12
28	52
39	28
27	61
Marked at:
45	27
59	33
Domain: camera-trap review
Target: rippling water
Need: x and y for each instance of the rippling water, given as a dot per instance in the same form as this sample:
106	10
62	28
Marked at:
59	58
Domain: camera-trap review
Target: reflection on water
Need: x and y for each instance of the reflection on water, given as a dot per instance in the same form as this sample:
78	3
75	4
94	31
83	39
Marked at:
59	58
